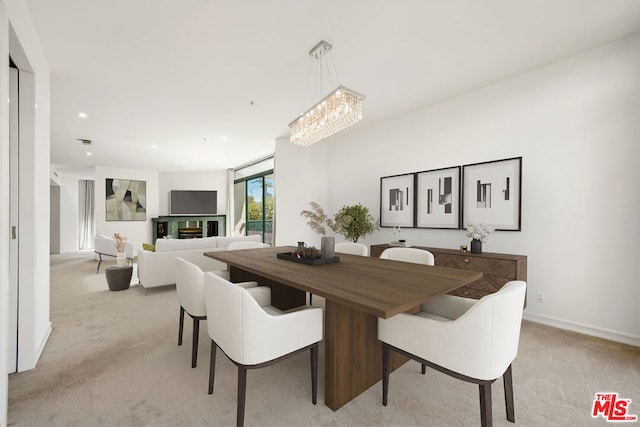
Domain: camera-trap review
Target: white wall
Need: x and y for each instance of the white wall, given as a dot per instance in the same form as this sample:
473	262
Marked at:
138	232
209	180
54	219
17	34
301	176
576	125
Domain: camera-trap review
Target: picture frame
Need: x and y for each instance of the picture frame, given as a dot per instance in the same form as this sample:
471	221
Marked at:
397	201
125	200
492	194
438	198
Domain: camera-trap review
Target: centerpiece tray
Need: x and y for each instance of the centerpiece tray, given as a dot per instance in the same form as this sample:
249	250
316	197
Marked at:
309	260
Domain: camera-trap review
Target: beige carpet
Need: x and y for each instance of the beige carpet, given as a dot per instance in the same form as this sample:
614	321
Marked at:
112	359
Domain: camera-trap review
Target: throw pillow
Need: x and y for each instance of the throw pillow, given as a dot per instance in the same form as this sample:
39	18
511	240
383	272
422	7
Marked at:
149	247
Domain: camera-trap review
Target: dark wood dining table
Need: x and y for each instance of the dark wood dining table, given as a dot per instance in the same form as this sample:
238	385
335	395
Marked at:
357	291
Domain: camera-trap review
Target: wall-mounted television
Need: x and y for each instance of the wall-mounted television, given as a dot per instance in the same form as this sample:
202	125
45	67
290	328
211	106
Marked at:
193	202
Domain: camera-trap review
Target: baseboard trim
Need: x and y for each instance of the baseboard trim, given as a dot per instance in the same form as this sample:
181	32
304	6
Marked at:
584	329
43	343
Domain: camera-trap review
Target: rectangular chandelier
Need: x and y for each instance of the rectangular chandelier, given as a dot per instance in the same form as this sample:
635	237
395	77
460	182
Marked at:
335	112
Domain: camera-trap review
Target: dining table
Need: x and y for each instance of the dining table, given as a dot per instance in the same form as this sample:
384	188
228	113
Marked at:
357	291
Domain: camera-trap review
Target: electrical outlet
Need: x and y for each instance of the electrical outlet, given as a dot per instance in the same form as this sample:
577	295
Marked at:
540	296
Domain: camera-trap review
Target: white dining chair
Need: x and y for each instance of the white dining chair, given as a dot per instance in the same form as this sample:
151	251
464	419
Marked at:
352	248
236	246
471	340
190	291
414	255
254	334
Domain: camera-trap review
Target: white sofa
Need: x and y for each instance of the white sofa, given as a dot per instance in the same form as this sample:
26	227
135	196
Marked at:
159	268
106	245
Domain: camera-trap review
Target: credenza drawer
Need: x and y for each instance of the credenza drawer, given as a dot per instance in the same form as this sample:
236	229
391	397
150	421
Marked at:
498	267
468	292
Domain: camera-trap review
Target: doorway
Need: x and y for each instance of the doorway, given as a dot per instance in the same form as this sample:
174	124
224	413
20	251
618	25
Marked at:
14	161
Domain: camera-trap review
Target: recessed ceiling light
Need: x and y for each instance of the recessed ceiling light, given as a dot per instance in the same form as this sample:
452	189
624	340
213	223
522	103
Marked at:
89	153
154	146
82	115
224	138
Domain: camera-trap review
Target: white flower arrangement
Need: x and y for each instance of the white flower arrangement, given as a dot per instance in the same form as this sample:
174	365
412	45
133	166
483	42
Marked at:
479	231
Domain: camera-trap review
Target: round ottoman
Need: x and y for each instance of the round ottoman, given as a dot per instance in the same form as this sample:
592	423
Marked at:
118	278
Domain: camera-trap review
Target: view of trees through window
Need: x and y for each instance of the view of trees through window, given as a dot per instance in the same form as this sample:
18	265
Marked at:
260	207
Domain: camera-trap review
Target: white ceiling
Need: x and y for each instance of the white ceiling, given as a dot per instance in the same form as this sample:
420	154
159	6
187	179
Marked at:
181	75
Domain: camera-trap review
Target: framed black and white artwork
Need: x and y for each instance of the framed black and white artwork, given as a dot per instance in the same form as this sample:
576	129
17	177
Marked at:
397	200
438	198
492	193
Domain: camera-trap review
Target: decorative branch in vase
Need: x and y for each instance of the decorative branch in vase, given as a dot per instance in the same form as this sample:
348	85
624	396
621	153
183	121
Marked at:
121	257
323	224
479	234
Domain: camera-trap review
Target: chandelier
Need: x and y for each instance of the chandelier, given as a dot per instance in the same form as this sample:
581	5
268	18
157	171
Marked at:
338	110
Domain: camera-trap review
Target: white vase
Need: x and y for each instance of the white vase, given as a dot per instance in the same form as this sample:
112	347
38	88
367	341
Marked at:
121	259
327	247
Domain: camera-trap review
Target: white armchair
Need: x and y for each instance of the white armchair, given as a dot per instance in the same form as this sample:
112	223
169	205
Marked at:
417	256
105	245
190	290
352	248
254	334
472	340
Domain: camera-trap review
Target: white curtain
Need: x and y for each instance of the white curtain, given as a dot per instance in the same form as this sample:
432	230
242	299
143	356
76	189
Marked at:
86	220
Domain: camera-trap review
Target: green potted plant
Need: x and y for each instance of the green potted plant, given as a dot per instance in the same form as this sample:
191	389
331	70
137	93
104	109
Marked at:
361	225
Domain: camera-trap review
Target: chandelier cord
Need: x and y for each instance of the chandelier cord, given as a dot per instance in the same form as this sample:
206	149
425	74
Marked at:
306	92
335	70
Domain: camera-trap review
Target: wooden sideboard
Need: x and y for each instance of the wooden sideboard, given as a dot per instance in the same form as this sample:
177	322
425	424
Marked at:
497	269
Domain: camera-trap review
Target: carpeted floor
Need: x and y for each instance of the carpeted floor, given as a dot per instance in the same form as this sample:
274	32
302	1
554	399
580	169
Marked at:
112	359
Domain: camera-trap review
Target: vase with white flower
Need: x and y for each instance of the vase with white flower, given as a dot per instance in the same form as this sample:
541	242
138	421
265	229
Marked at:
479	234
121	256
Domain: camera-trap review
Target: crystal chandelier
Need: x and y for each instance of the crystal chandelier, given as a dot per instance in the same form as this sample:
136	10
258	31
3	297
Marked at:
337	111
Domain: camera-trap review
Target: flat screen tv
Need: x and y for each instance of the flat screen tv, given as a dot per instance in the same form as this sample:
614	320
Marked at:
193	202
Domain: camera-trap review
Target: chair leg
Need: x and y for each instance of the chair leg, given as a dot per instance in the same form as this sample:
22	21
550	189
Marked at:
99	262
314	374
194	348
181	327
242	393
508	394
386	362
486	418
212	366
310	299
424	369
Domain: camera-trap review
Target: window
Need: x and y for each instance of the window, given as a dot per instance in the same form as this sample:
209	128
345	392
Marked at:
253	210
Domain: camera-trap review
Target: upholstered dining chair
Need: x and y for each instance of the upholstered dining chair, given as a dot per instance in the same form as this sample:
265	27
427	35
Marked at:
235	246
417	256
190	290
352	248
471	340
253	334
